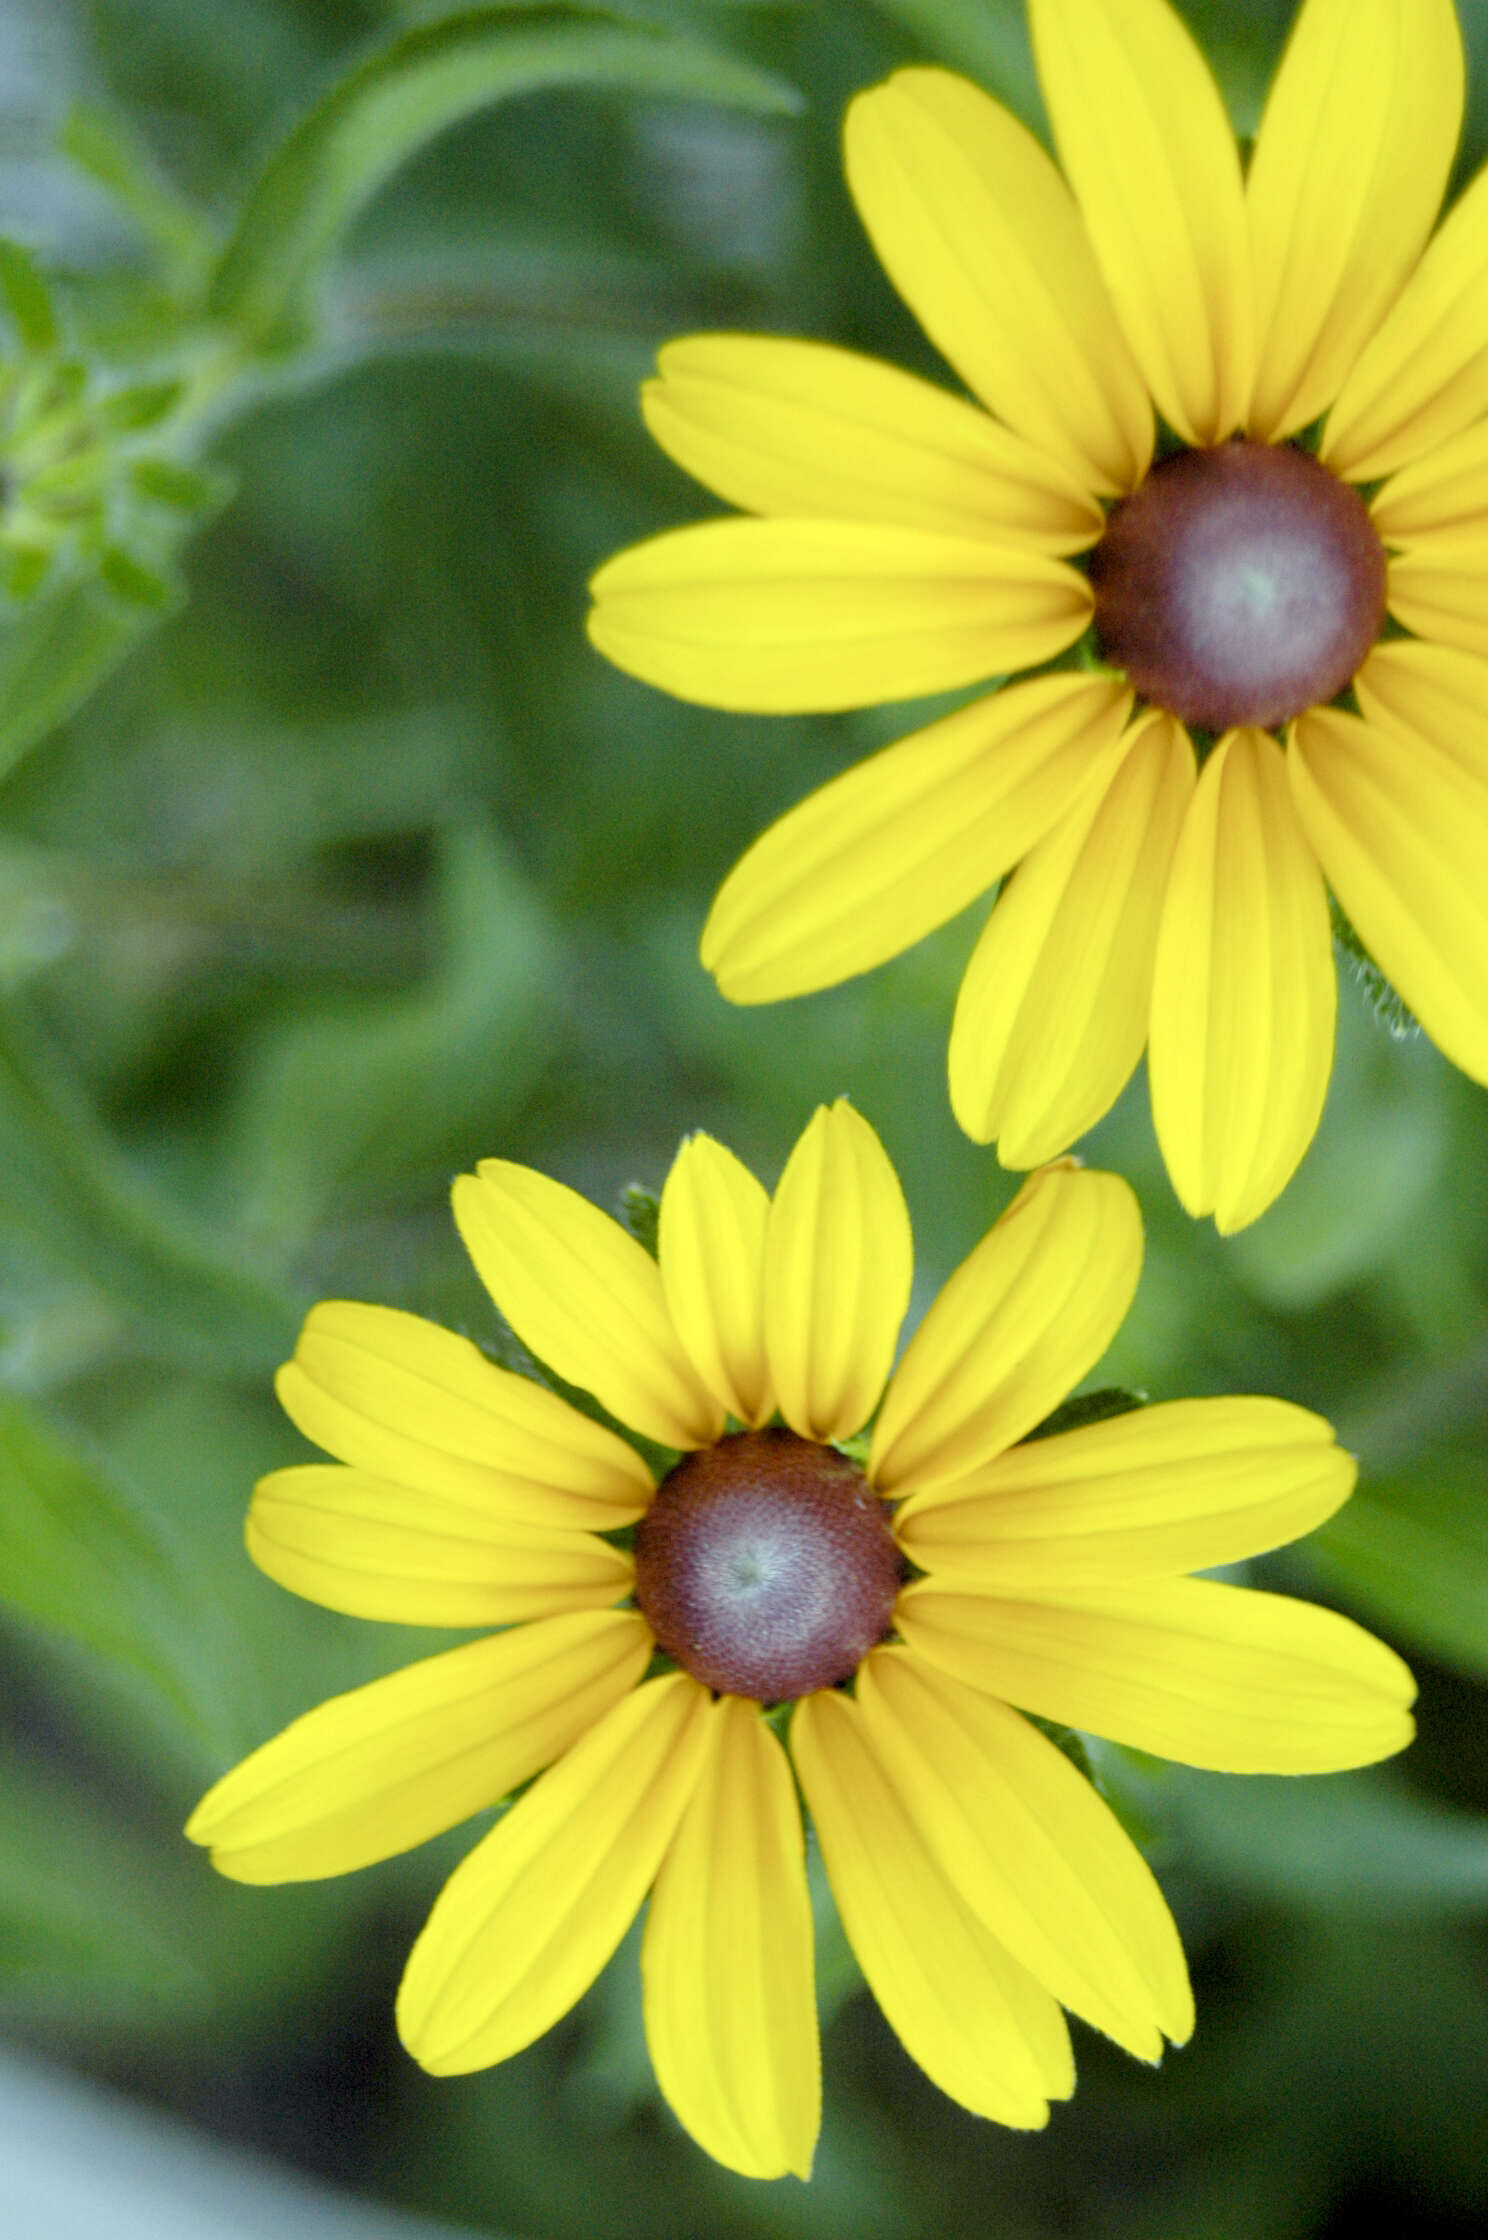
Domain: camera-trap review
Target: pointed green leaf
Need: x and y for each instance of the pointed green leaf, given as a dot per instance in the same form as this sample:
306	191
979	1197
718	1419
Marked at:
27	298
413	89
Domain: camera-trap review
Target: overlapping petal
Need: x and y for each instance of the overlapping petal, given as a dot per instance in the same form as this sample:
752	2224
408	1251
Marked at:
1144	141
1210	1675
1401	832
526	1922
378	1550
1036	1854
1014	1329
1424	376
1244	992
839	1260
796	616
711	1251
1052	1013
1436	693
1436	590
402	1399
1347	176
1178	1487
1440	498
974	2020
979	234
372	1773
802	428
730	2000
897	845
585	1298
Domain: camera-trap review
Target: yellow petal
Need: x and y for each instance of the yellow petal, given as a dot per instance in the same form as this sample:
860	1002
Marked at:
839	1260
730	1999
961	2006
1440	497
1178	1487
1348	173
1145	143
1018	1324
788	617
1424	375
524	1925
712	1256
374	1772
1401	832
1052	1012
1214	1676
585	1298
361	1544
893	848
1032	1849
401	1398
1429	692
801	428
978	232
1245	991
1439	589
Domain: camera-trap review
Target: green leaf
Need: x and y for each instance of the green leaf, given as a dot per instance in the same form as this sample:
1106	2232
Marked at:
1088	1407
383	1092
27	298
133	581
412	90
54	653
142	405
90	1929
68	1193
79	1558
1359	1841
184	489
109	149
1412	1552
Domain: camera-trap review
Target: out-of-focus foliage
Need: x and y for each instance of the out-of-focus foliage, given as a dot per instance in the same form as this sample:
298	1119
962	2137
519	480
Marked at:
331	861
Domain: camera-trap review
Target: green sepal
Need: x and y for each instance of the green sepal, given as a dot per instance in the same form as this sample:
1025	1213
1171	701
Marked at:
640	1213
1087	1407
1389	1006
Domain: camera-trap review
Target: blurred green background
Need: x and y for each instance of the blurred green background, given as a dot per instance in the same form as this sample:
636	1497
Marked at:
331	860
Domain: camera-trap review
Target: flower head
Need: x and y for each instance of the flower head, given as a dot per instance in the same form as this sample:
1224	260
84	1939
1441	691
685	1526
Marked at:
908	1589
1289	689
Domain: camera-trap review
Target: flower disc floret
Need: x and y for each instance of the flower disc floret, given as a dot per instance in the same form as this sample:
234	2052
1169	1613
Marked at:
766	1566
983	1884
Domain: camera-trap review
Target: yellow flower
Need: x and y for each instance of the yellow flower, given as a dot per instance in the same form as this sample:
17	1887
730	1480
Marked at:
910	542
950	1574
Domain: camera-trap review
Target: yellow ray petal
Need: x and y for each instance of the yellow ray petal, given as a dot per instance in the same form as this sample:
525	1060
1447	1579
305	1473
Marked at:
1439	589
977	2024
1429	692
1144	141
401	1398
1348	173
712	1256
1052	1013
585	1297
801	428
1424	375
374	1772
1441	497
1018	1324
524	1925
361	1544
726	1964
782	617
1401	832
1178	1487
1211	1675
1245	992
893	848
838	1264
979	234
1031	1848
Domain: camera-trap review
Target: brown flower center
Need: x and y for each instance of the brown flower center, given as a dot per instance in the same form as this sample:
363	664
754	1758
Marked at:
1239	585
766	1567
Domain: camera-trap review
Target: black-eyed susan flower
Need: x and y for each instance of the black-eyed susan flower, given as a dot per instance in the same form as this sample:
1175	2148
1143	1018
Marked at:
1288	610
904	1595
